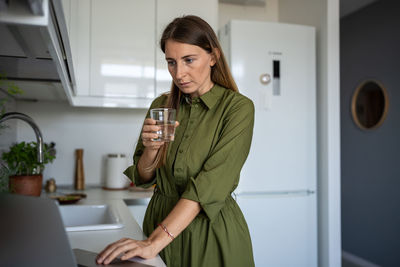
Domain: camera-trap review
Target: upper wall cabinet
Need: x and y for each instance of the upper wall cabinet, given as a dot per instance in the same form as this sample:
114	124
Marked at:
122	48
116	57
113	46
66	4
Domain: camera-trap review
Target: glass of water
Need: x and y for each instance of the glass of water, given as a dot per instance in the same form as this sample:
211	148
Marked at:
165	118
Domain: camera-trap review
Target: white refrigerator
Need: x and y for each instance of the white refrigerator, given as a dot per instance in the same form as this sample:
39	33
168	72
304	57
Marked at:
274	65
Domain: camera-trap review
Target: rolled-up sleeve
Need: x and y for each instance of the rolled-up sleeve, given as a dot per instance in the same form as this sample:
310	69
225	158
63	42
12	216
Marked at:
132	172
220	173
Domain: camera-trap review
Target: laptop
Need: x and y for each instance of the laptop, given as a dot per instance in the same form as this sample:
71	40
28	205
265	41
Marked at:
32	234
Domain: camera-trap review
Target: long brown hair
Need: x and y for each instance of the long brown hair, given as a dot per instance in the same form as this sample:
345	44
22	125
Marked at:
195	31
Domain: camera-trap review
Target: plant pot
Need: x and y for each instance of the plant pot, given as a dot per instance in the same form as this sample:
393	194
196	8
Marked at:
29	185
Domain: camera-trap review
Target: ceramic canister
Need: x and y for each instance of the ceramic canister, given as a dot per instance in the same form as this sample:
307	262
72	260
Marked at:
115	166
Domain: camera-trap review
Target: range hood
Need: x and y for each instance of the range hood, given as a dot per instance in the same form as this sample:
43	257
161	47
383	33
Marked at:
34	43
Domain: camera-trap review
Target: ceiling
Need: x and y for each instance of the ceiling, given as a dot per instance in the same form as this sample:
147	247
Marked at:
260	3
350	6
346	6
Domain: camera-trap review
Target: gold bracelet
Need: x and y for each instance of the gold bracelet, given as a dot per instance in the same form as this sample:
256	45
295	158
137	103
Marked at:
166	230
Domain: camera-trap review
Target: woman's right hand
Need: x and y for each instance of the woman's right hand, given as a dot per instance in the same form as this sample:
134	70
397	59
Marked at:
149	133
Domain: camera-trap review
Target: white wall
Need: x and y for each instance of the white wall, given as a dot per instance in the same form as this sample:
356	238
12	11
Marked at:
98	131
230	11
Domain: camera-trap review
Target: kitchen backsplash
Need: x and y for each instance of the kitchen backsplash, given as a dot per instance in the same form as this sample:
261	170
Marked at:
98	131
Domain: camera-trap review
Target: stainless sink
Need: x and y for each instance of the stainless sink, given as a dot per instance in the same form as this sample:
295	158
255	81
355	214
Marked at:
137	201
90	217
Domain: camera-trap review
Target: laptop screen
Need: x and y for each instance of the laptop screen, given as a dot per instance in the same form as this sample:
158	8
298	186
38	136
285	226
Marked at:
32	233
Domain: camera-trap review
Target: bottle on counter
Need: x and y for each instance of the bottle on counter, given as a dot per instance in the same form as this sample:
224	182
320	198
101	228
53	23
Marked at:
50	186
79	171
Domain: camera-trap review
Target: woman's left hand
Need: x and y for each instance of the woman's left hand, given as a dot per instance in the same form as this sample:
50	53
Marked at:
129	248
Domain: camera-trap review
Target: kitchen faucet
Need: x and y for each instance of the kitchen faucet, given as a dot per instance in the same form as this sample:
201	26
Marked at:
29	120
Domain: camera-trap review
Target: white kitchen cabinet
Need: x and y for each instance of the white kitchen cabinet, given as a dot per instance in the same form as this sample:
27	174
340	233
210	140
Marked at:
79	35
113	46
138	213
66	4
122	48
167	10
138	208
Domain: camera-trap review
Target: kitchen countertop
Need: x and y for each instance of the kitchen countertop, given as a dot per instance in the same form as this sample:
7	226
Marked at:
96	241
94	192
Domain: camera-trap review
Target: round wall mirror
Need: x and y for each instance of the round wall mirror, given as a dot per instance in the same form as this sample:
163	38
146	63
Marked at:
369	105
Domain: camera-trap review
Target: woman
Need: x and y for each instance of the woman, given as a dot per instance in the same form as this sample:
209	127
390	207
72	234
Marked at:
192	220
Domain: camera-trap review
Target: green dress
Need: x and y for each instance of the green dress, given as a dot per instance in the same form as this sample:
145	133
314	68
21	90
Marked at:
203	164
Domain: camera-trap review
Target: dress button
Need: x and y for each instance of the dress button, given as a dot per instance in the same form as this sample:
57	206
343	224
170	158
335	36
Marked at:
179	169
191	122
180	150
186	136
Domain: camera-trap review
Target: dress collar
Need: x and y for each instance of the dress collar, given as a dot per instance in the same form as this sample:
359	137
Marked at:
210	98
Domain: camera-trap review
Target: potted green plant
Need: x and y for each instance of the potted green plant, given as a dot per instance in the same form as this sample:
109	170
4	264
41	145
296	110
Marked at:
23	169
